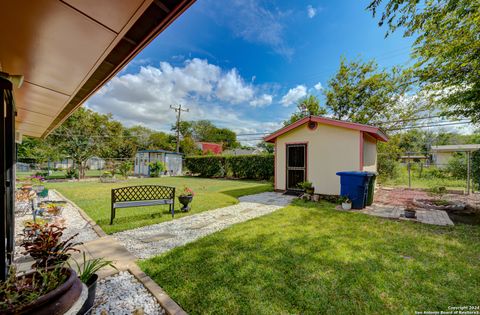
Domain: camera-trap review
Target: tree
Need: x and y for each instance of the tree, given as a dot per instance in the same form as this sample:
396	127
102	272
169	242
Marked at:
307	106
82	136
268	147
446	48
205	130
37	150
360	92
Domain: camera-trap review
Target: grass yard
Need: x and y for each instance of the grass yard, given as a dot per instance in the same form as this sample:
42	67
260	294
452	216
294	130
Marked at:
311	259
94	199
425	181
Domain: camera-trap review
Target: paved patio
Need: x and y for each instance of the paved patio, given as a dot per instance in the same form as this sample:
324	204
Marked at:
149	241
434	217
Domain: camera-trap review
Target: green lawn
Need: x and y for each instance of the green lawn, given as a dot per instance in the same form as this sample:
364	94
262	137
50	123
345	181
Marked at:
94	199
311	259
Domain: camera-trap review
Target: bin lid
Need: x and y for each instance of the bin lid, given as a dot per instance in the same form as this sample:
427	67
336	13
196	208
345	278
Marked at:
355	173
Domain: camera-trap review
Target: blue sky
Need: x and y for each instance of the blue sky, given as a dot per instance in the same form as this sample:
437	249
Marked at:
244	63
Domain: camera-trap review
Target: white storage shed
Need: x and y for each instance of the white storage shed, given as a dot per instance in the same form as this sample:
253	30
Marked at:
171	160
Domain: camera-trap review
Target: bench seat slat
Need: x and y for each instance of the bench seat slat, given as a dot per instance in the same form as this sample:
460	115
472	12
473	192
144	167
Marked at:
143	203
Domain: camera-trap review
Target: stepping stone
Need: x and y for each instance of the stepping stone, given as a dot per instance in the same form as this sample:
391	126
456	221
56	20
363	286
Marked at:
199	226
157	237
246	210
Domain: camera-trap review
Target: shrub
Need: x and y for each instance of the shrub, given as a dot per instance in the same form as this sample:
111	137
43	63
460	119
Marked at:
433	172
242	166
125	168
156	168
207	165
72	173
457	166
250	166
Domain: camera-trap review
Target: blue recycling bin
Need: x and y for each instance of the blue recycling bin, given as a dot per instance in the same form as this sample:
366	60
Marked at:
354	185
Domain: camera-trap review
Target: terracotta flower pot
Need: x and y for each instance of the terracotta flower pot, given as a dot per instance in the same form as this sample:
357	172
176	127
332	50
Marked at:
57	301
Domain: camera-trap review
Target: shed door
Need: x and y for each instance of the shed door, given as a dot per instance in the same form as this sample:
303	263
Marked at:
296	165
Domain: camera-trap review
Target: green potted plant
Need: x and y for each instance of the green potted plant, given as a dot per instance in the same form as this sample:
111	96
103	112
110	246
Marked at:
87	273
185	198
307	187
37	182
345	202
51	288
43	291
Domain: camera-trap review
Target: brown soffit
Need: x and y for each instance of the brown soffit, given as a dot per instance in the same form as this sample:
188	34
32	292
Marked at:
156	18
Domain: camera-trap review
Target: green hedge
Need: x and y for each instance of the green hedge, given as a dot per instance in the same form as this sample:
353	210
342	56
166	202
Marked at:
241	166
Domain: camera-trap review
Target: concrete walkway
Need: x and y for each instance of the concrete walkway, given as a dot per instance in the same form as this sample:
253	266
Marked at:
149	241
434	217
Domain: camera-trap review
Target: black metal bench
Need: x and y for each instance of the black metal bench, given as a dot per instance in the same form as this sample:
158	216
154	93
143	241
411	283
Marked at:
142	196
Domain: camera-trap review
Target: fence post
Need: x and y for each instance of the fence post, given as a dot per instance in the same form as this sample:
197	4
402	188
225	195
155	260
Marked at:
409	172
468	172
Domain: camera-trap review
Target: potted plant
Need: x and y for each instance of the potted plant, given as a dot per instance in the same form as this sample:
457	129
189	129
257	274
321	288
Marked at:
51	288
185	198
346	202
43	242
409	211
87	273
37	182
44	291
307	187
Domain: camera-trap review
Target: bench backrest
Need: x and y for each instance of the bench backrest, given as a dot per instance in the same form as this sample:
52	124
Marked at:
143	192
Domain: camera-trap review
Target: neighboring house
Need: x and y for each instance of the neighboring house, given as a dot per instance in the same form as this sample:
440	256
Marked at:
93	163
316	148
210	148
441	154
171	160
242	152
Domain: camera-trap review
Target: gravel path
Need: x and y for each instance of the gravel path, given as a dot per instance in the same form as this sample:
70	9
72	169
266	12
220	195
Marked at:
149	241
123	294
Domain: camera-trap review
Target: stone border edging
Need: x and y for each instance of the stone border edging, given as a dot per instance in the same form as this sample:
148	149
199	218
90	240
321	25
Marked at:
168	304
87	218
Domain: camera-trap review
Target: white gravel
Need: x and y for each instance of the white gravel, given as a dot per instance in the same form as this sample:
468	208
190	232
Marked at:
123	294
70	217
149	241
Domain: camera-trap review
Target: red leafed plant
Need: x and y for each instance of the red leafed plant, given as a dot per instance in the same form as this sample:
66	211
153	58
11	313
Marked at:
43	242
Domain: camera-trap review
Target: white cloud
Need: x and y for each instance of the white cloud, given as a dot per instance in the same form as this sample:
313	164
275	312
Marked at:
311	11
263	100
210	92
232	88
253	22
293	95
318	86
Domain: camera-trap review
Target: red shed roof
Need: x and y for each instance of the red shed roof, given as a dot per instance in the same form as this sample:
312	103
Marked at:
375	132
214	148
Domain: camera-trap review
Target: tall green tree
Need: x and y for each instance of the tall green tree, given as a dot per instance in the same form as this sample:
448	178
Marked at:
446	48
82	136
307	106
360	92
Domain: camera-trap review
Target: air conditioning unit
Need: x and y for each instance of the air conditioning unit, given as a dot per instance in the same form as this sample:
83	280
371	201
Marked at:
18	137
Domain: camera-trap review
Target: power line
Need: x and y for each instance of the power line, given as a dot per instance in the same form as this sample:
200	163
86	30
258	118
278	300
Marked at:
432	125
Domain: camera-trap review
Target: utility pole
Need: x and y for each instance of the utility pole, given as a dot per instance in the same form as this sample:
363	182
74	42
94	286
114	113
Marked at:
179	111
